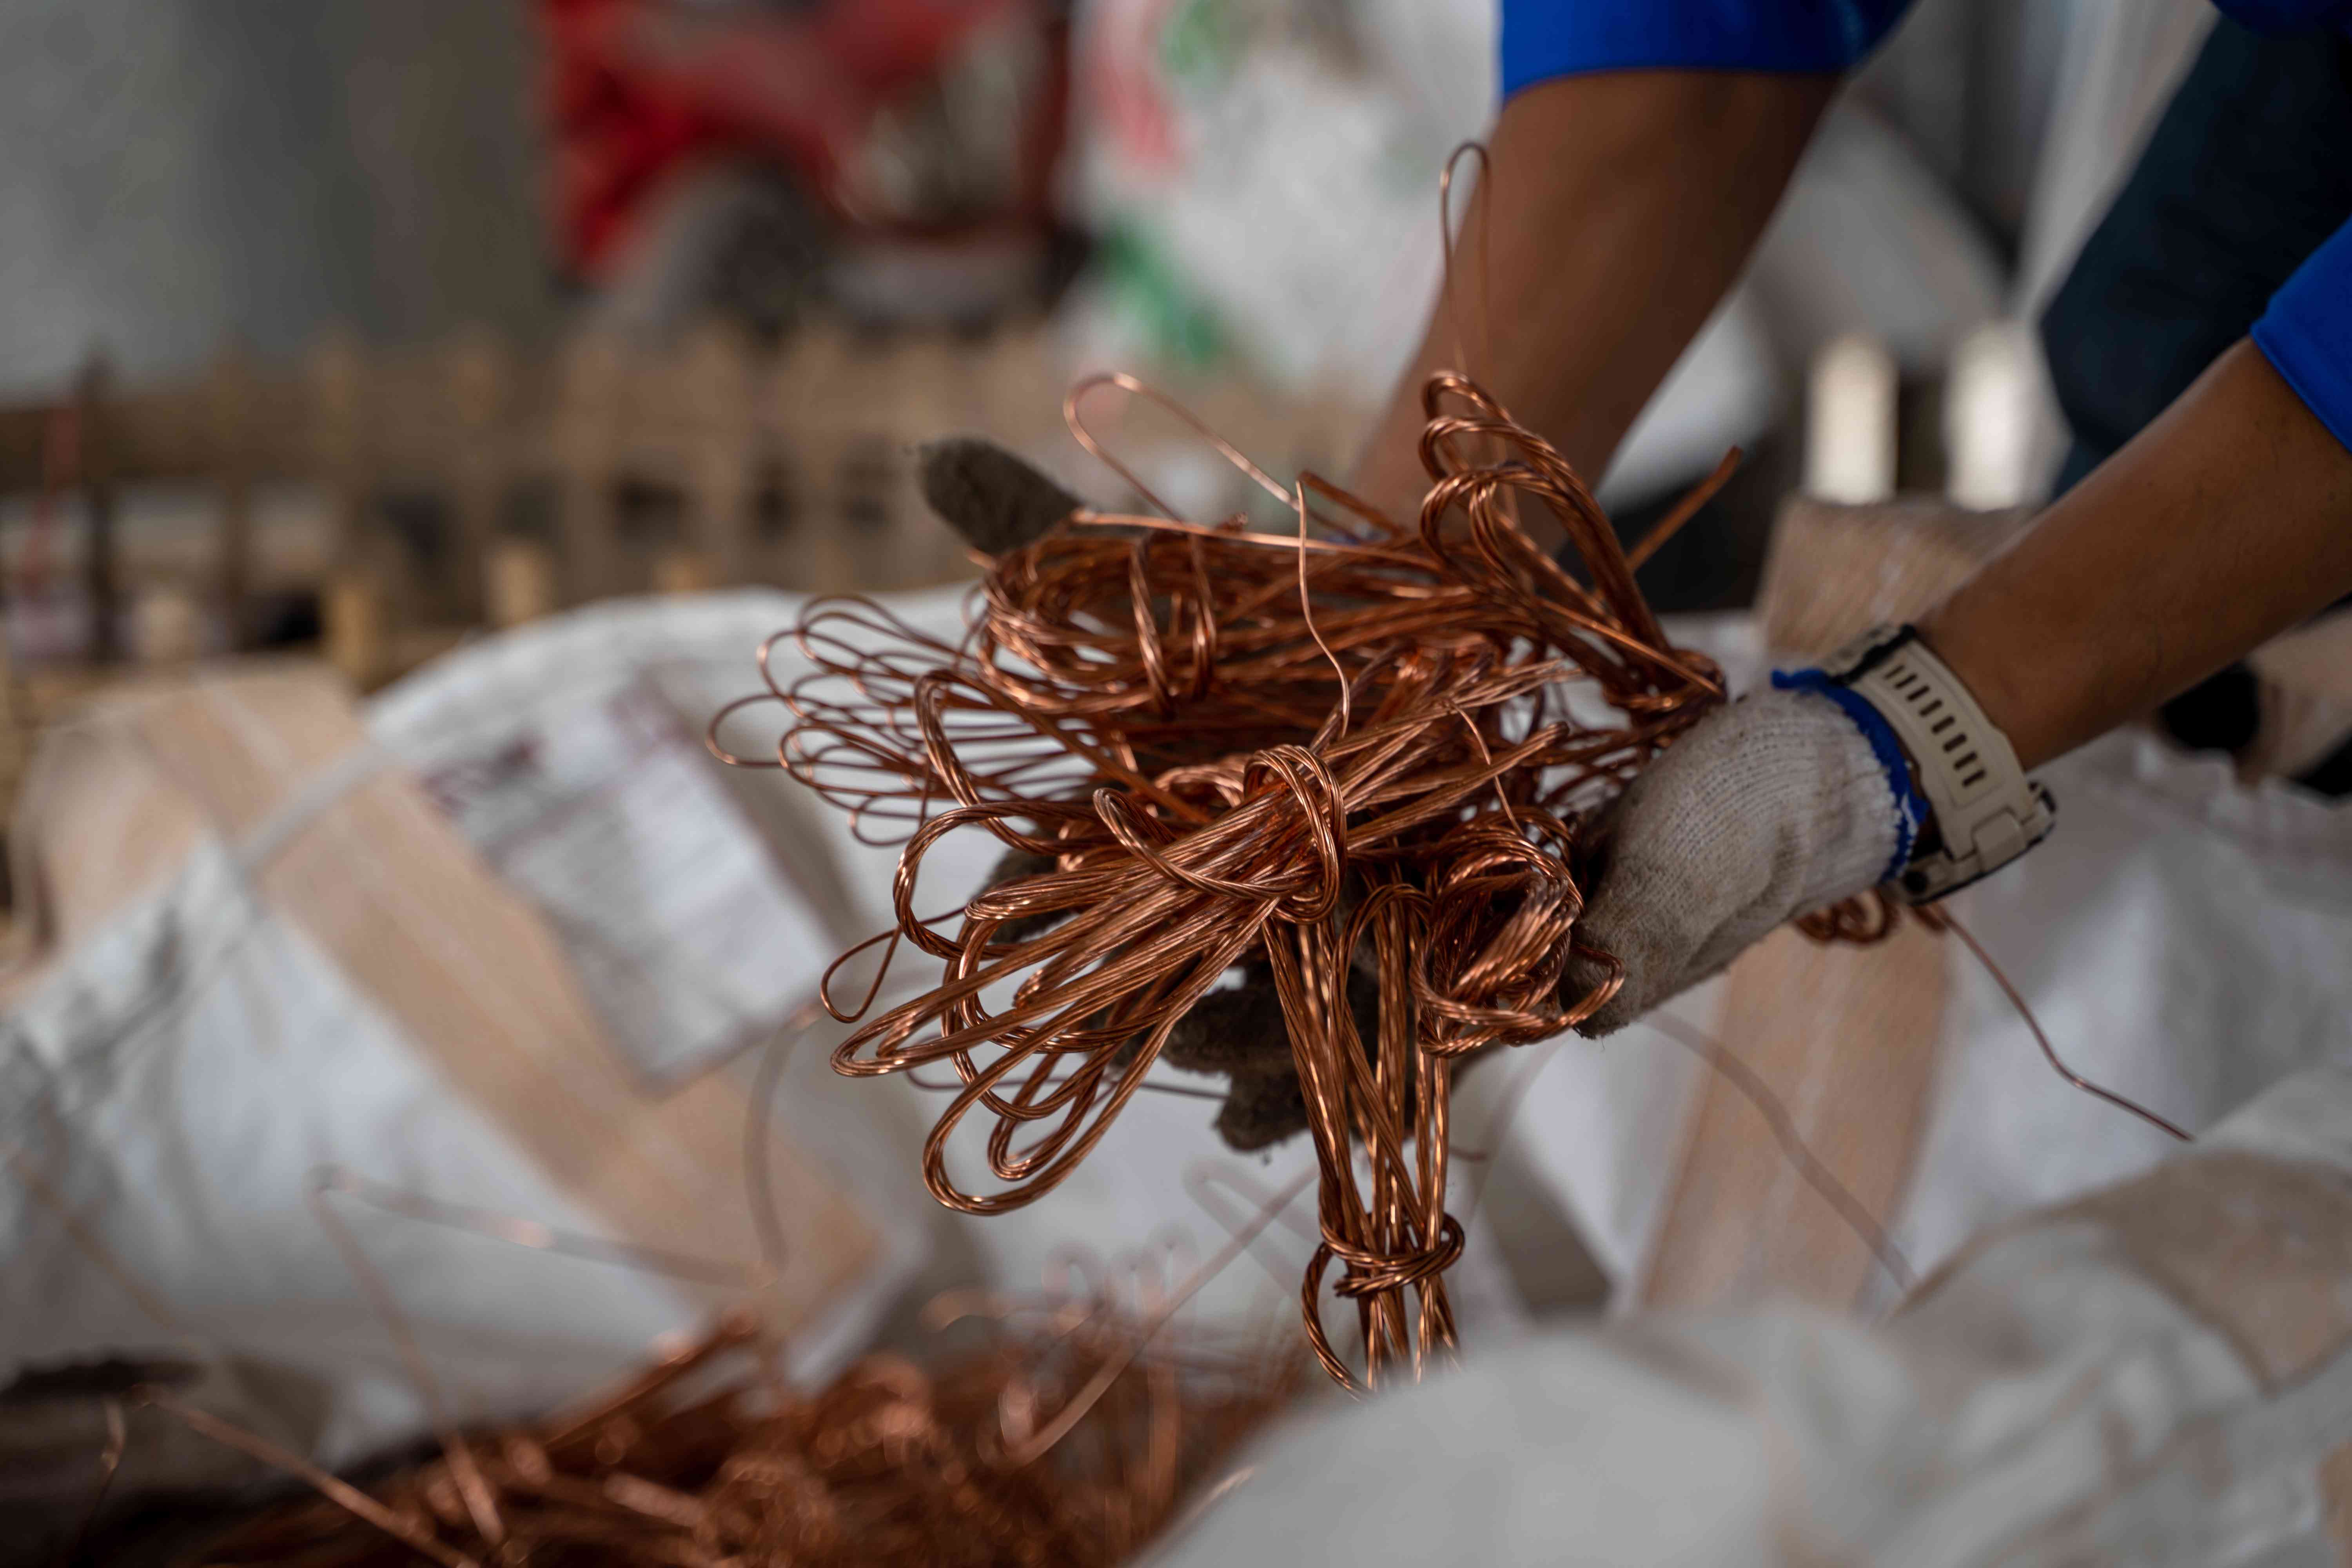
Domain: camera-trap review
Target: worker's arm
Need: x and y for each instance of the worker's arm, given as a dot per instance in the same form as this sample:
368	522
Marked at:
2223	524
1619	208
1641	149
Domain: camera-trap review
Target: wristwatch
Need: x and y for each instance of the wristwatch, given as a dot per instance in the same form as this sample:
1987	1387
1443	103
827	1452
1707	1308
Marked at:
1986	811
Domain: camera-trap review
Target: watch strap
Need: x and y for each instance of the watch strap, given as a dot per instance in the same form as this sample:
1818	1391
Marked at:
1987	811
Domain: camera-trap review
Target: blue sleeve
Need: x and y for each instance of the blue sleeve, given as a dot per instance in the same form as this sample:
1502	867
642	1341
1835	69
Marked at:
1547	38
2307	334
2287	15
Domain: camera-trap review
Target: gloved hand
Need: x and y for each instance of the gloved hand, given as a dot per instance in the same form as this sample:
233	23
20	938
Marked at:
1772	806
996	501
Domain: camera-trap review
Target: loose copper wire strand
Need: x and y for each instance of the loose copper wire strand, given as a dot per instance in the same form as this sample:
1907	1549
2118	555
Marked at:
99	1254
1486	360
465	1471
1073	417
1793	1147
345	1496
528	1234
1156	1316
1872	917
110	1461
2049	1053
1684	511
759	1136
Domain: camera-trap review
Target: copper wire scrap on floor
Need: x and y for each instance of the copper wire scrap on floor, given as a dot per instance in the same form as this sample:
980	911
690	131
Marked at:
1078	1430
705	1460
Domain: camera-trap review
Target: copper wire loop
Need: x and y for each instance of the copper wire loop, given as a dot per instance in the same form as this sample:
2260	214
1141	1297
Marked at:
1361	740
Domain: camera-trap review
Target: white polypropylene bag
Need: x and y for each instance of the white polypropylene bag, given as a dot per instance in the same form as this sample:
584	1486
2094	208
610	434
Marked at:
264	952
2153	1376
2183	940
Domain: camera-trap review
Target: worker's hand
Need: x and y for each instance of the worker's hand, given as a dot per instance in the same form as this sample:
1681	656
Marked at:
1771	807
996	500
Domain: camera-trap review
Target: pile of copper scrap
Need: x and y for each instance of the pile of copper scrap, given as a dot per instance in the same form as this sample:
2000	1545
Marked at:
1357	744
1062	1443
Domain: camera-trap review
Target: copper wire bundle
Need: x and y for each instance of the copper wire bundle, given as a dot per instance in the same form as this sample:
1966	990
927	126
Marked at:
970	1464
1364	743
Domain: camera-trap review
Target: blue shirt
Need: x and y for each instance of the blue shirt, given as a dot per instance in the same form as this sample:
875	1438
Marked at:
2306	333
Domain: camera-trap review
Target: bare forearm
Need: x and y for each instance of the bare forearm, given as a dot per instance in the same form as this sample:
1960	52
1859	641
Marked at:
1622	206
2223	524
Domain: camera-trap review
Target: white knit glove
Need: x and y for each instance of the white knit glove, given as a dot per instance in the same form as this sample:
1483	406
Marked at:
1771	807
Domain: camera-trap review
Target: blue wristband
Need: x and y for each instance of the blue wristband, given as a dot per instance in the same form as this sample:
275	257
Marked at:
1910	806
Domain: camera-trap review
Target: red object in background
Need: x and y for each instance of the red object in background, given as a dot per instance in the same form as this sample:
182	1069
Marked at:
642	88
1123	74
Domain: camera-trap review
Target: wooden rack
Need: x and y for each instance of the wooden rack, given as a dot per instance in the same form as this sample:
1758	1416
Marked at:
414	495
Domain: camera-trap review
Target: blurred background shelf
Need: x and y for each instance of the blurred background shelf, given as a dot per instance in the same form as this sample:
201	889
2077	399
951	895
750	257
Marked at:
385	502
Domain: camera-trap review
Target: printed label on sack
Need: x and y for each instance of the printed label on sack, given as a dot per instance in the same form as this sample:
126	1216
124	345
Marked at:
689	939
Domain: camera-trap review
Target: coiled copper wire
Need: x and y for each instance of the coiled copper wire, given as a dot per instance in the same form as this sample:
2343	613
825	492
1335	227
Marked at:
1362	737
